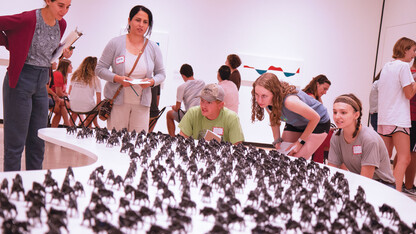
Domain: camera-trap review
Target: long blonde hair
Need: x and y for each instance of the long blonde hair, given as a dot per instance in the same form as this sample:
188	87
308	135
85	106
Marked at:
279	89
86	71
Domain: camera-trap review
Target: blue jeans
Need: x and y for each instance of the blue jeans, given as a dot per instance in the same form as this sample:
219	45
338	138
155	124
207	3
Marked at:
25	110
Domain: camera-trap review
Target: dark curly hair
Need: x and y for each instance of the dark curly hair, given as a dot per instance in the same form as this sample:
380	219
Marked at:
279	89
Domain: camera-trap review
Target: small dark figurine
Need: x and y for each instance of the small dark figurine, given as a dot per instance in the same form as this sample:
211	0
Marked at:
6	205
157	204
34	214
123	203
72	205
234	218
57	195
14	226
78	188
38	188
110	176
106	227
293	225
390	212
17	187
119	181
187	204
217	228
5	186
208	211
147	212
112	141
156	229
69	173
141	196
88	215
101	208
126	147
71	130
167	194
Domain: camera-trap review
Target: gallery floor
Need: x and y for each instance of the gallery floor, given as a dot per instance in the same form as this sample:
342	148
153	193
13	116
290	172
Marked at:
61	157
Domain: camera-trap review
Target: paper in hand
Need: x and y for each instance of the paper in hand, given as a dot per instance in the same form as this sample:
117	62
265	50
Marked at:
137	81
66	43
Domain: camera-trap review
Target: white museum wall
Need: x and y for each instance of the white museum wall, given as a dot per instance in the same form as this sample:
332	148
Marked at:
399	21
335	38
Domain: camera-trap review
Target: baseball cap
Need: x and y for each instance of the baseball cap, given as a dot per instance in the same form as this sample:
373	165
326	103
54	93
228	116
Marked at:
212	92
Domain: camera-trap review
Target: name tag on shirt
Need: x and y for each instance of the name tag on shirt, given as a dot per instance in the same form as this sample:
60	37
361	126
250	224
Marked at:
120	60
356	150
218	131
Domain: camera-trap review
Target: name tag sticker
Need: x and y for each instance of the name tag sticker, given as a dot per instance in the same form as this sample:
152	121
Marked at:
356	149
218	131
120	60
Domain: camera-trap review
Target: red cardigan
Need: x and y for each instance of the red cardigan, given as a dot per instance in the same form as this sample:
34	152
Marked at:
16	33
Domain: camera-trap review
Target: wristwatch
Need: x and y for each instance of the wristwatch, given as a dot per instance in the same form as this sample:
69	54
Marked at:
278	140
302	142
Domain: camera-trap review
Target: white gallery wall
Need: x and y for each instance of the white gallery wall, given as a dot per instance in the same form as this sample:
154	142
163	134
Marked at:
335	38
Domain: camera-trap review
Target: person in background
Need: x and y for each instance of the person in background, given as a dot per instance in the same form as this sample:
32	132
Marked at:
132	106
231	99
211	116
154	106
54	99
31	38
233	61
187	93
84	85
374	102
307	120
60	78
396	87
409	187
358	148
317	87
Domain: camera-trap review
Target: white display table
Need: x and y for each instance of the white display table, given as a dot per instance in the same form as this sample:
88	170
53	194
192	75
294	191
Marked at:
111	158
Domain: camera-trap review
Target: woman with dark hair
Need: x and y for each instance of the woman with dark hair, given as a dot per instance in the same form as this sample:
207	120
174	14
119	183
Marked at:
358	148
317	87
132	104
60	79
233	61
307	120
31	38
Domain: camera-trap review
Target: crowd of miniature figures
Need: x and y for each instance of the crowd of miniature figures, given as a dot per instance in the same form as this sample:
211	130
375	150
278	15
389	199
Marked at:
233	188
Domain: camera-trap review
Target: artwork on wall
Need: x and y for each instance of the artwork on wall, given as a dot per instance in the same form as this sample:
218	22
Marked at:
286	69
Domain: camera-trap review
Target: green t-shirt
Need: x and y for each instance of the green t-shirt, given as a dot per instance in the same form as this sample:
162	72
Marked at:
227	124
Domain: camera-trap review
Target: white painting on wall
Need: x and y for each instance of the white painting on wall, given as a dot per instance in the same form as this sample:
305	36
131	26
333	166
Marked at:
286	69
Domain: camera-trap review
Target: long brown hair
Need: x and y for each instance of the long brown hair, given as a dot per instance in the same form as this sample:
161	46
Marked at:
279	89
312	86
63	68
355	103
86	71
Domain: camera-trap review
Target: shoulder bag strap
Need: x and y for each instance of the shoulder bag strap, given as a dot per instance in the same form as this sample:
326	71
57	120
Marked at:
134	66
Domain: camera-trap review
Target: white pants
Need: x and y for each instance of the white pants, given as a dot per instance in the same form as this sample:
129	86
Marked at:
130	116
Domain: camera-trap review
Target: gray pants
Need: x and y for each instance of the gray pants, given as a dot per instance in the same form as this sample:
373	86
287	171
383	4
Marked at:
25	110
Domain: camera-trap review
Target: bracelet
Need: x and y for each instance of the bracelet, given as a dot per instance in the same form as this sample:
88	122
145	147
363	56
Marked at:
278	140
